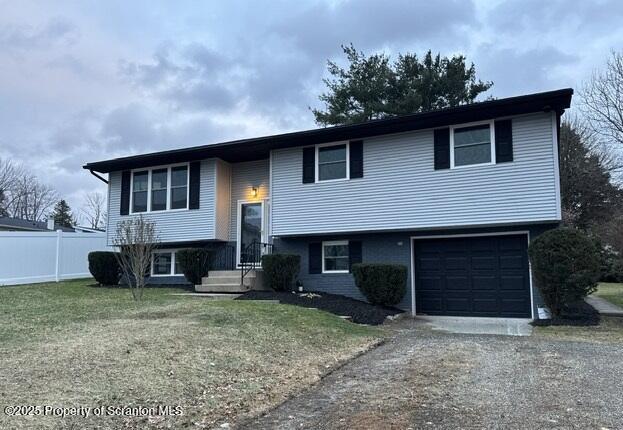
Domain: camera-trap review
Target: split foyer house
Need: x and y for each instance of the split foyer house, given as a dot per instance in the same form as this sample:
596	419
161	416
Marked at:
455	195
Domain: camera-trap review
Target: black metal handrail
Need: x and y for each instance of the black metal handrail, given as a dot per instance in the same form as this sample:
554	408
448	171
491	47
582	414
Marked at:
224	258
251	257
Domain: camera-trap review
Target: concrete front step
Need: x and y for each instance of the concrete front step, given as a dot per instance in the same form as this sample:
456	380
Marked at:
222	280
222	288
228	273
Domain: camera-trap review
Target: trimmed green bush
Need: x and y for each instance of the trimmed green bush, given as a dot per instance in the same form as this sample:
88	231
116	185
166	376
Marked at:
566	265
280	270
195	263
104	267
381	284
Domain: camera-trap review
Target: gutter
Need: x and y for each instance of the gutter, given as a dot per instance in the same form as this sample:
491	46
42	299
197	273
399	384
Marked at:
98	177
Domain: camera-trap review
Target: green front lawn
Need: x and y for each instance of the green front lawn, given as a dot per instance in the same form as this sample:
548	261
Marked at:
71	344
611	292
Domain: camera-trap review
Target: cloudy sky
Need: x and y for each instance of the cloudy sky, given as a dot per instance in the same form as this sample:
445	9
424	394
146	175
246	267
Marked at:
91	80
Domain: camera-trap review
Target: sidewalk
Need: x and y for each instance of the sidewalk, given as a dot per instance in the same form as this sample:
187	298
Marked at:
604	307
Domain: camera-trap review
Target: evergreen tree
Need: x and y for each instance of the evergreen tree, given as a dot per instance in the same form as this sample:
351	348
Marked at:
62	215
373	88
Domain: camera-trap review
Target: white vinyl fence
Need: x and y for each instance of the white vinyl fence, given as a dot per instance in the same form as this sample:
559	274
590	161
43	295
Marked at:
40	256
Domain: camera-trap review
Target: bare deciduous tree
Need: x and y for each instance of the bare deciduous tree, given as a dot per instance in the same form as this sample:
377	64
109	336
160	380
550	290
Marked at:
602	106
8	177
94	209
136	239
21	193
31	199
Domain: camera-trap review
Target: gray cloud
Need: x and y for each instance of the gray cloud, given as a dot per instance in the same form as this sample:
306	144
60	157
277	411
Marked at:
579	16
319	30
24	37
99	82
531	71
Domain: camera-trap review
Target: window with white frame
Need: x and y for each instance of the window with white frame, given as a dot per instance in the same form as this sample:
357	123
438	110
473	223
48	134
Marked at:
159	180
472	145
179	187
335	257
160	189
331	162
140	182
164	263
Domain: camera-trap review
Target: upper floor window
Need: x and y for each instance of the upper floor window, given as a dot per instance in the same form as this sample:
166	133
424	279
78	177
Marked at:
160	189
139	191
179	187
472	145
159	180
332	162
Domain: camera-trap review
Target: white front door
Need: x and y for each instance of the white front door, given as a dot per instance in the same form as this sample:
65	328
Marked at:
250	229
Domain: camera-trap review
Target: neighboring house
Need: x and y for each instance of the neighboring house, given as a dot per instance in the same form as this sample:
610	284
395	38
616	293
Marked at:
17	224
455	195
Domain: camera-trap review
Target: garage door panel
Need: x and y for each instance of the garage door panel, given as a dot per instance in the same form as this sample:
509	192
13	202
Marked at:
489	283
457	283
513	283
430	283
456	263
511	262
514	307
483	262
488	305
513	243
477	276
430	263
457	304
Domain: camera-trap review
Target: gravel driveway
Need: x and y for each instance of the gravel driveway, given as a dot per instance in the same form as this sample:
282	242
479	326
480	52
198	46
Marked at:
428	379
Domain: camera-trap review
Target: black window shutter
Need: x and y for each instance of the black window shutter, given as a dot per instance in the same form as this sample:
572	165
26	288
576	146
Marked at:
442	148
503	141
309	165
195	185
124	208
315	258
354	253
356	159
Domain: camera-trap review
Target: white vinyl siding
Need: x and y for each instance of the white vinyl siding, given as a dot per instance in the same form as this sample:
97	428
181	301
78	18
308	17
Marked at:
172	225
400	189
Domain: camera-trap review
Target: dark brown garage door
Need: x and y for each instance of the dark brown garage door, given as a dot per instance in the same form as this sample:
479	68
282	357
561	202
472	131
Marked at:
485	276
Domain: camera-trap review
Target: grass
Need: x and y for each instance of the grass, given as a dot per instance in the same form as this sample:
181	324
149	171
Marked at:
612	292
609	330
71	344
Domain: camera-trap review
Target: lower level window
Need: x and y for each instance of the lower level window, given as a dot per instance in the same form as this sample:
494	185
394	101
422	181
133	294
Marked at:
164	263
335	256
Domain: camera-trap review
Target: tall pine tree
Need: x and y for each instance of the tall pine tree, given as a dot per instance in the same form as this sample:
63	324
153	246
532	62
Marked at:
373	88
62	215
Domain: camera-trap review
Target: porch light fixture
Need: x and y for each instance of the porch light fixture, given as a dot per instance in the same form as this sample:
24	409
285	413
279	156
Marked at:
254	192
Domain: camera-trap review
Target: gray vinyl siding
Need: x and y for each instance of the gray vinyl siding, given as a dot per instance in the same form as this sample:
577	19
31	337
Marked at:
223	199
245	176
392	248
401	190
172	226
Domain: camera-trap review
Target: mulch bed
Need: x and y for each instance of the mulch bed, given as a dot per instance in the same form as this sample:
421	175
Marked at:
579	314
360	312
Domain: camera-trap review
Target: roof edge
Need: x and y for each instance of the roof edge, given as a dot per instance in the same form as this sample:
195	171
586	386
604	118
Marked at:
254	148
